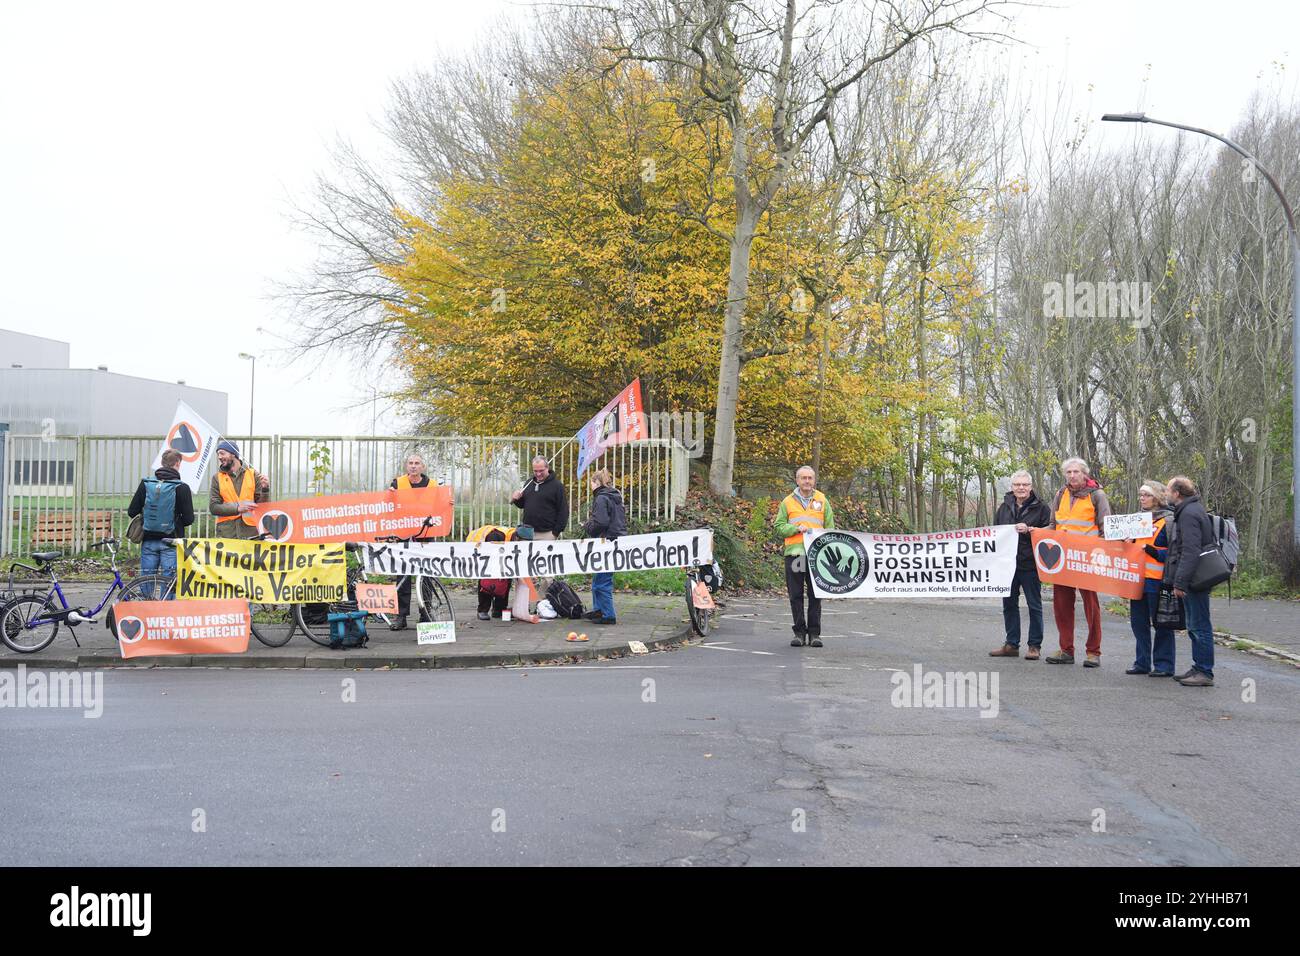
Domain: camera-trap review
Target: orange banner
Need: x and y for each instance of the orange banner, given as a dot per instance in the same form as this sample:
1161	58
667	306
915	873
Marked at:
361	517
1094	564
377	598
151	628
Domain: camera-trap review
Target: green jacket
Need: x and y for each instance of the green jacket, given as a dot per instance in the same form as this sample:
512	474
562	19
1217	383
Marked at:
785	529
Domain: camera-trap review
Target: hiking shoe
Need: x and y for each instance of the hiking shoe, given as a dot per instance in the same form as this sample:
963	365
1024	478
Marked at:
1186	674
1161	674
814	641
1137	670
593	615
1032	653
482	616
1060	657
1197	679
399	624
608	620
796	641
1092	660
1006	650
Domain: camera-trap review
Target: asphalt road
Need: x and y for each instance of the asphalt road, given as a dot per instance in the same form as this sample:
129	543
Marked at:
745	752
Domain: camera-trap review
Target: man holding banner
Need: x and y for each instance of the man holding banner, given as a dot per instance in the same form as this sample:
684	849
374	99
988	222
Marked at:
1080	508
804	509
235	493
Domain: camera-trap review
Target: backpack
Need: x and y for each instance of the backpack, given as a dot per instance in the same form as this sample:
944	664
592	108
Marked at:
1225	535
160	505
347	630
565	600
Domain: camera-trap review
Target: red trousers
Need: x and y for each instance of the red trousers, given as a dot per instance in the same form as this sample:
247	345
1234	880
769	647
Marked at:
1063	611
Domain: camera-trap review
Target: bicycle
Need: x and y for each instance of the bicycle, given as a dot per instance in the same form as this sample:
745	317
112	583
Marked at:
29	622
710	576
432	603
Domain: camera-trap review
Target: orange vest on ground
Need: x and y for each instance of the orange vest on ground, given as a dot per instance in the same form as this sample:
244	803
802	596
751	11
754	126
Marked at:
1154	568
478	534
228	495
814	514
1076	515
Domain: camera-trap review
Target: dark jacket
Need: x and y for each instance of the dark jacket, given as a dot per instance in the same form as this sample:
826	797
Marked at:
1035	513
1193	533
184	505
608	516
545	506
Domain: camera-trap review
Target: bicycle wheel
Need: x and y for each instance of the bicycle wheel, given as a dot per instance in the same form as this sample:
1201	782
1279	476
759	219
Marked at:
700	617
17	629
312	619
273	624
150	587
435	600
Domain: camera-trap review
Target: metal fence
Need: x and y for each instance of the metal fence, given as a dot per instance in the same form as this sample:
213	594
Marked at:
65	493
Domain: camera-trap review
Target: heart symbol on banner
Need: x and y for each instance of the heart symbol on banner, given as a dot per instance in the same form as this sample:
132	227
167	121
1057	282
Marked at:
130	629
1050	553
184	441
277	525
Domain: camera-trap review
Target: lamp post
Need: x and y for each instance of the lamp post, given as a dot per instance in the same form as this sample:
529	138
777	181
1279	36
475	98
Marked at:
252	381
1295	294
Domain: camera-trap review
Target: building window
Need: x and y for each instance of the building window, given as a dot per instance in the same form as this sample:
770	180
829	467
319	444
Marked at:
43	472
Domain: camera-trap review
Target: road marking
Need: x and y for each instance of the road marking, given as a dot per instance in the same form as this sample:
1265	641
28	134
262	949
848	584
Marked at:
766	653
864	633
738	617
719	647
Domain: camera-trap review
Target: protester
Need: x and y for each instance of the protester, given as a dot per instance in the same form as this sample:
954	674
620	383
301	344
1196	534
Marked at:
1080	508
1193	533
803	509
414	477
236	490
171	513
546	511
1024	509
608	520
492	592
1153	497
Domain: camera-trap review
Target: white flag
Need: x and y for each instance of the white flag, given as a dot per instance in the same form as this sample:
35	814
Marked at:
195	439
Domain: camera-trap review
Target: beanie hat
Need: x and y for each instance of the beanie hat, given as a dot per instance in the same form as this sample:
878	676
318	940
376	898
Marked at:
230	446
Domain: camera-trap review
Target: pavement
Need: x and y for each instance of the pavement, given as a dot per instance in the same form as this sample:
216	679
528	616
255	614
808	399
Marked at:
656	622
735	750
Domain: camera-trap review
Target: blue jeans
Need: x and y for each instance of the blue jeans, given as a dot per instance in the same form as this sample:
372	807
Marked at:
157	558
1141	613
1197	604
1028	582
602	594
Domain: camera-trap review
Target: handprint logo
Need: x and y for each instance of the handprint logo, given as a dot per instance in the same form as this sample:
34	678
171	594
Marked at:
838	562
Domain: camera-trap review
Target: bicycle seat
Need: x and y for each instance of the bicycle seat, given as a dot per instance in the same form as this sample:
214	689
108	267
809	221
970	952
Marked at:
46	556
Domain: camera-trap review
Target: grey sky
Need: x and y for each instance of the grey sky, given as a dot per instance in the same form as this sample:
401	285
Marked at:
148	151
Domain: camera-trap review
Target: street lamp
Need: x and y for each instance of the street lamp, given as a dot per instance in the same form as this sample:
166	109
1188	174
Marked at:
252	380
1295	295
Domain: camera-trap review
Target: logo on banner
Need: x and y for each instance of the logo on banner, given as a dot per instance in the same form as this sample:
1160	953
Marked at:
276	524
185	438
130	629
838	562
1050	556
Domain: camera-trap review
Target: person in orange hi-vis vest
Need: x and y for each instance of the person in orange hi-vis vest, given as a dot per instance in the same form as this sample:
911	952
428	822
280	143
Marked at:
1154	497
1078	508
413	476
803	509
235	491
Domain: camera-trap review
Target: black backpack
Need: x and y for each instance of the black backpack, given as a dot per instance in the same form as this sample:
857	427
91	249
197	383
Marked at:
565	600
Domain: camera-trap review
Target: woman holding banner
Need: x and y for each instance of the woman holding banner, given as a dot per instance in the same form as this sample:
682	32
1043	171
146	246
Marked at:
608	520
1154	498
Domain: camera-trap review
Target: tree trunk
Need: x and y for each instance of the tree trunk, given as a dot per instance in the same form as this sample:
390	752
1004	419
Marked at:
722	470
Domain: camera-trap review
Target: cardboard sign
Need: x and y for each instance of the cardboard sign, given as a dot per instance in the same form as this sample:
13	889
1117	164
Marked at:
377	598
701	597
1090	563
622	420
359	517
973	562
435	632
260	571
1123	527
540	559
196	441
149	628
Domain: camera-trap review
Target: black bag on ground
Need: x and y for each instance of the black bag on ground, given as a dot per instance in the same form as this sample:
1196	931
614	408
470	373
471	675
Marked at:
565	600
1170	612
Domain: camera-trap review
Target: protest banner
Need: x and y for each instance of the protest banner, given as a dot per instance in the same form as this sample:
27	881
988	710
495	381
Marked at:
622	420
532	559
1090	563
1123	527
196	441
357	517
263	572
150	628
377	598
975	562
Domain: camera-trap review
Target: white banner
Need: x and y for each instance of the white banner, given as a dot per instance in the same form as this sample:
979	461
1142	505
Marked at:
1123	527
195	439
975	562
536	559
